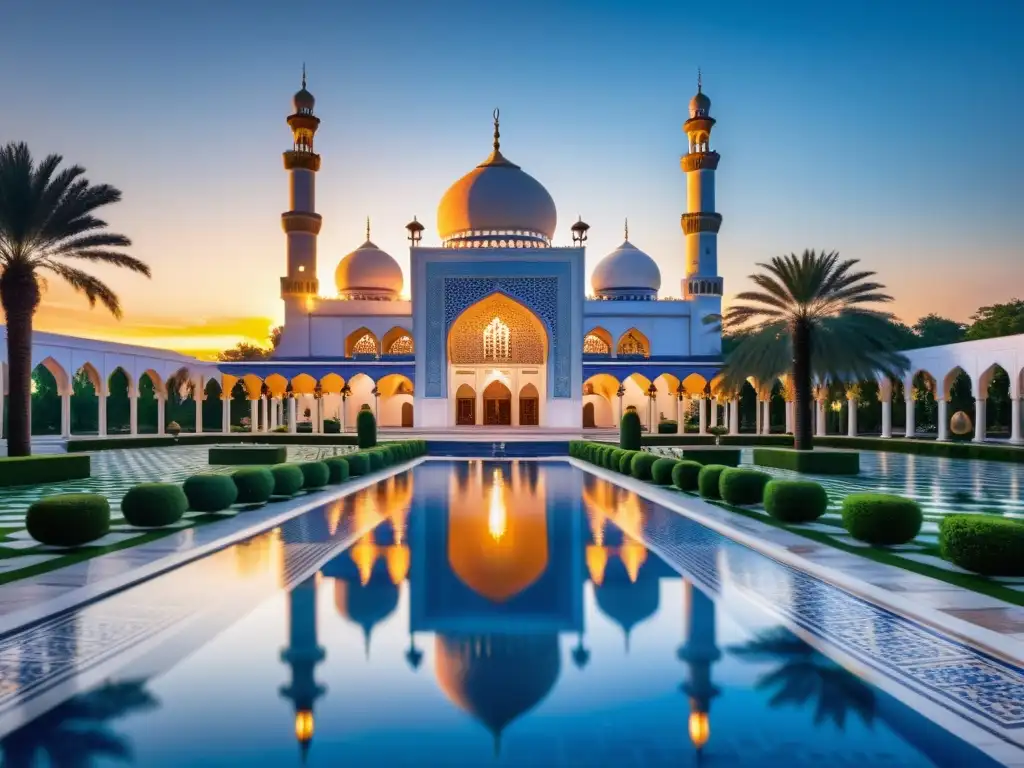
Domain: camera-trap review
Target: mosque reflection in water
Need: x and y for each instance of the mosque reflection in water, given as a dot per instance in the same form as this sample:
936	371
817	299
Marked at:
495	586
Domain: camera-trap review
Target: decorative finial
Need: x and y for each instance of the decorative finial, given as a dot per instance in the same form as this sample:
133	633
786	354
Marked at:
627	228
303	75
497	132
698	80
367	229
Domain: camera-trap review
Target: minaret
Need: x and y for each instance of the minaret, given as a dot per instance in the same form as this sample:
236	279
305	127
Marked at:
701	223
699	652
302	223
302	655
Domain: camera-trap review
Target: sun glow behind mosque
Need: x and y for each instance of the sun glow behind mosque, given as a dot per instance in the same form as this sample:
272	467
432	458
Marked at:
497	514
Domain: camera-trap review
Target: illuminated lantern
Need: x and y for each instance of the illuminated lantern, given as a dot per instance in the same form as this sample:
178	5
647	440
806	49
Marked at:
960	424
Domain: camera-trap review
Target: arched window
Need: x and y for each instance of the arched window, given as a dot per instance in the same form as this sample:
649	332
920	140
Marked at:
496	341
631	345
366	345
594	345
401	346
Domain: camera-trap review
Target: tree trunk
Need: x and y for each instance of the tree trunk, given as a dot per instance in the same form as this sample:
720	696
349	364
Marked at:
19	295
802	399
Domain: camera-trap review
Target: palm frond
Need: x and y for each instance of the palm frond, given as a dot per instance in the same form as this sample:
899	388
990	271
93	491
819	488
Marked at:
93	288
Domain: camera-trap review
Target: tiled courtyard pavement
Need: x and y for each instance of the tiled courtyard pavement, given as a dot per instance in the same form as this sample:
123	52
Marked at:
113	473
941	486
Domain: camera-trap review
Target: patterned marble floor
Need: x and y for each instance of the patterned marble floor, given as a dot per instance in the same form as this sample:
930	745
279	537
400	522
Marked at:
113	473
941	486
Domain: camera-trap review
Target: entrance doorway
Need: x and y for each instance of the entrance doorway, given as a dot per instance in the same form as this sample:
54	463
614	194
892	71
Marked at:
588	416
465	406
497	405
529	406
407	415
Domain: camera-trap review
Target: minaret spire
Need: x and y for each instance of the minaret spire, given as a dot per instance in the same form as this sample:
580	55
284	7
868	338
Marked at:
367	229
626	229
698	80
303	74
497	130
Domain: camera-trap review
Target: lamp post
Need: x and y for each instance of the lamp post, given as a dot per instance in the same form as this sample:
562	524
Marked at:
652	393
620	393
579	232
376	396
346	391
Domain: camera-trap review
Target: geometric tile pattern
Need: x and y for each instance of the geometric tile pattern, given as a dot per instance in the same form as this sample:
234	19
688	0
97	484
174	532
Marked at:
953	675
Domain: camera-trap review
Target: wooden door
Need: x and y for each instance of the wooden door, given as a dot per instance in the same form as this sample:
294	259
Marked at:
529	411
465	411
588	416
407	414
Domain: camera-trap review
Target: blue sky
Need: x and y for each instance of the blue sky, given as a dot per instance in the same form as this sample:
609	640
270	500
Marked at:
888	131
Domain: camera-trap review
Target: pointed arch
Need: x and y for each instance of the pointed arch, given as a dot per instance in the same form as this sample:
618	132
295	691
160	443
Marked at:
362	342
397	341
597	341
498	328
633	343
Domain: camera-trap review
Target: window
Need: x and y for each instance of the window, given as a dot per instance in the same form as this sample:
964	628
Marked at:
366	345
631	345
496	341
594	345
401	346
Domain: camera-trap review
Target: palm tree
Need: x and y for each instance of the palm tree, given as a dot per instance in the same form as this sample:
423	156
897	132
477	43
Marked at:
808	319
46	214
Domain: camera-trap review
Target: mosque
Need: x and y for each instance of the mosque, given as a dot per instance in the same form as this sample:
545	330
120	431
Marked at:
498	328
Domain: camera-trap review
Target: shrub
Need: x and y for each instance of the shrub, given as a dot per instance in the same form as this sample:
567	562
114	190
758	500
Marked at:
358	464
729	457
684	474
881	519
255	484
626	461
816	462
795	501
53	468
661	471
608	460
616	459
366	428
742	486
337	469
315	474
210	493
304	428
641	465
288	479
280	428
630	431
385	457
376	460
707	480
68	519
248	454
332	427
152	505
993	546
668	427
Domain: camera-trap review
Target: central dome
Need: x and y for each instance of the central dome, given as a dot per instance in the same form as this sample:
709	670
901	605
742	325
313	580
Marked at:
497	204
368	273
626	273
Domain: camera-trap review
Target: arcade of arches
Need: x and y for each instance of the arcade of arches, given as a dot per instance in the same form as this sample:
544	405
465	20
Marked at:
497	355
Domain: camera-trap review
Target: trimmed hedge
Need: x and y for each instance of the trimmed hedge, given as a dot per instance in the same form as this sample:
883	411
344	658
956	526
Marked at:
742	486
366	428
210	493
668	427
626	461
288	479
153	505
685	473
358	464
255	484
68	519
641	464
881	519
707	480
926	447
50	468
816	462
248	454
630	431
727	457
80	445
661	471
992	546
337	469
315	474
376	460
795	501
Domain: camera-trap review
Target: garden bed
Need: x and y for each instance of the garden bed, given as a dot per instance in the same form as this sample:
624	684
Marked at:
48	468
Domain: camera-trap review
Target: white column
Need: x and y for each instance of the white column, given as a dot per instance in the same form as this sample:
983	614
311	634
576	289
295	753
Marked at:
161	403
819	414
254	415
766	420
292	415
225	414
264	414
514	405
851	416
102	404
943	420
734	416
618	419
133	414
980	419
702	416
684	406
757	415
198	394
344	407
321	409
910	428
1014	420
65	413
679	414
887	418
789	417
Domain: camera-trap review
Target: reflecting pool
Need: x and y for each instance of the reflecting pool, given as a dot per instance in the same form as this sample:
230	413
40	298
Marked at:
481	613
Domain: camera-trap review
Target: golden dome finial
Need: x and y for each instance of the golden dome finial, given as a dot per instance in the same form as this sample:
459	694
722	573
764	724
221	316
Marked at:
698	80
303	74
367	229
497	131
626	227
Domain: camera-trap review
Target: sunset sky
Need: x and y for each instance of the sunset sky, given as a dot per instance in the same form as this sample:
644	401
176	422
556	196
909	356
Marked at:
888	131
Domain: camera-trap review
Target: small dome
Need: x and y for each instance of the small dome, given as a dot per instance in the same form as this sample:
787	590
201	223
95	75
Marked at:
497	200
368	273
626	272
700	105
303	100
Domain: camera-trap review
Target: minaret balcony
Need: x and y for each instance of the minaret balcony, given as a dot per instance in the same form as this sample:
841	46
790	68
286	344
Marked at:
701	222
700	161
294	159
293	286
301	221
